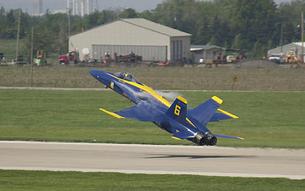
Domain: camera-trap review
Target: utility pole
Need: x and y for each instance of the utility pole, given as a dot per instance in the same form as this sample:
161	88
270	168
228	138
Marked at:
281	40
69	27
18	34
32	50
302	35
96	5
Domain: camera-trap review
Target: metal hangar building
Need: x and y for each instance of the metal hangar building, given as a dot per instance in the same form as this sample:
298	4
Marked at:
152	41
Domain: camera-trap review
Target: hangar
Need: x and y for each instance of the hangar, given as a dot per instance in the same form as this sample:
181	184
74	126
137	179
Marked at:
152	41
295	47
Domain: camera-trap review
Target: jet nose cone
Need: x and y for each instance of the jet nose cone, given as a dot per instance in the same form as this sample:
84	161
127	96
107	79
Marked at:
98	74
94	73
101	76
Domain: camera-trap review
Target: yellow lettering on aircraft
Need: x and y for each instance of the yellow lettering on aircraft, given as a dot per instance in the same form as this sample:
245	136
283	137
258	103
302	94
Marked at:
177	110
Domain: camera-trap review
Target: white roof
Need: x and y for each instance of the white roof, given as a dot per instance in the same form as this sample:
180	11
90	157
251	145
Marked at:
146	24
299	43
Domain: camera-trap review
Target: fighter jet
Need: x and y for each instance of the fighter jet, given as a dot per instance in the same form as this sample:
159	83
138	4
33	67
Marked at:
175	118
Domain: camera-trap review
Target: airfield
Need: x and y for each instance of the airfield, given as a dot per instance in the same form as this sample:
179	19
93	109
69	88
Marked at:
68	134
153	159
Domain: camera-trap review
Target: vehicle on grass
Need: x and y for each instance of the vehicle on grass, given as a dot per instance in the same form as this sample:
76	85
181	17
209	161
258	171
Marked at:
71	58
276	58
40	58
2	58
175	118
234	55
130	58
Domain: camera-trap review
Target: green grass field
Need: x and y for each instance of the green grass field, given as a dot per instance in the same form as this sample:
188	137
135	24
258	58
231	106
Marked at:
171	78
64	181
267	119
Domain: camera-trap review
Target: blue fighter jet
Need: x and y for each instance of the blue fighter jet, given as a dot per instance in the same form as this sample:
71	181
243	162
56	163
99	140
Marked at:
175	118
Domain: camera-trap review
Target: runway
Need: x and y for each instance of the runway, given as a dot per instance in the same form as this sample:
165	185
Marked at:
153	159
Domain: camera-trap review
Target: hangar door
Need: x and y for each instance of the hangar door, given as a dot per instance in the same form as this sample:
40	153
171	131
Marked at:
148	53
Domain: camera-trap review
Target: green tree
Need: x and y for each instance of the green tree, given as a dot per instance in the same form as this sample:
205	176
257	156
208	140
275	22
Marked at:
128	13
237	42
254	21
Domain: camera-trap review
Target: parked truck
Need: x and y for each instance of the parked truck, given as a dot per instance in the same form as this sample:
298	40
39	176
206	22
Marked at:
70	58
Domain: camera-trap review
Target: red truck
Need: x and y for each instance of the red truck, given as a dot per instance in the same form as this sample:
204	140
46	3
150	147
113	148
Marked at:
70	58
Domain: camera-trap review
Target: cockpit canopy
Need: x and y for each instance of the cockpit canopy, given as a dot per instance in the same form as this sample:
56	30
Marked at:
126	76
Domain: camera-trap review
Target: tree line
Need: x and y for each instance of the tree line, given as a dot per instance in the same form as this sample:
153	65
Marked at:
252	26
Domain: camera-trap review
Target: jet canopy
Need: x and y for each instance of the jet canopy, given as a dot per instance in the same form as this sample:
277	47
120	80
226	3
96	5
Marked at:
126	76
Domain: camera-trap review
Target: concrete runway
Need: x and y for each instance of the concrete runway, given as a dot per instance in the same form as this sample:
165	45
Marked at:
153	159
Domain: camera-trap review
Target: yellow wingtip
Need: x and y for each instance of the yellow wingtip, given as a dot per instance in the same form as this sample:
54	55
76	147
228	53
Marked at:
176	138
112	114
182	99
217	99
228	114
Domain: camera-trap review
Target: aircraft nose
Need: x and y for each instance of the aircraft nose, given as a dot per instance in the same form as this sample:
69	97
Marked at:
94	73
98	74
101	76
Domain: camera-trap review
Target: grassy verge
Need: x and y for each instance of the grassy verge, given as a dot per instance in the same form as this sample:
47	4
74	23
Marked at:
224	78
266	119
64	181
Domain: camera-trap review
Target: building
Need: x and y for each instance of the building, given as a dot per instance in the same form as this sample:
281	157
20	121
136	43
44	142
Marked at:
80	7
152	41
288	49
206	53
37	8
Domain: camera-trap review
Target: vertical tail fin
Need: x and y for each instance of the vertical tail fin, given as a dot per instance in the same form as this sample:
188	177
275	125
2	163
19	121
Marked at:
178	109
204	112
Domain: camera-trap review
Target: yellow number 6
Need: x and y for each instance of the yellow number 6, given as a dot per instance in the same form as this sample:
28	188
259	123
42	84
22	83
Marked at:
177	110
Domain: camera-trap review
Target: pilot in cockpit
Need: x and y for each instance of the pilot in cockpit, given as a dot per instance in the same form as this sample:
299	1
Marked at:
126	76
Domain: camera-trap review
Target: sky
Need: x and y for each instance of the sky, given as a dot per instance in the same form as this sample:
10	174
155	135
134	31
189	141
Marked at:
27	5
138	5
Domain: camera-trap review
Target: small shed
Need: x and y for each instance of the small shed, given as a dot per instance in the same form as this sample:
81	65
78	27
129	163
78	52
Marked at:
207	53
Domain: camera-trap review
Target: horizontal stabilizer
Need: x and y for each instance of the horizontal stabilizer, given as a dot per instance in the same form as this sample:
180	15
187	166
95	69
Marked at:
228	137
222	115
228	114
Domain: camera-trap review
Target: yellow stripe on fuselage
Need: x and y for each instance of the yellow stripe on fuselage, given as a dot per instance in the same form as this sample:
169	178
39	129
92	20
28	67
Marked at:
146	89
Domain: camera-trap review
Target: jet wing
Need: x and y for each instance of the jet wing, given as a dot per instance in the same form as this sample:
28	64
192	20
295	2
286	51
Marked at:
143	111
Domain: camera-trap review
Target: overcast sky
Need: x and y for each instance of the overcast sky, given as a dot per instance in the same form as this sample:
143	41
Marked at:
139	5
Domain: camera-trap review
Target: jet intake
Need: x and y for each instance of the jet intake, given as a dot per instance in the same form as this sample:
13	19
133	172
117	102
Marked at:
205	139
